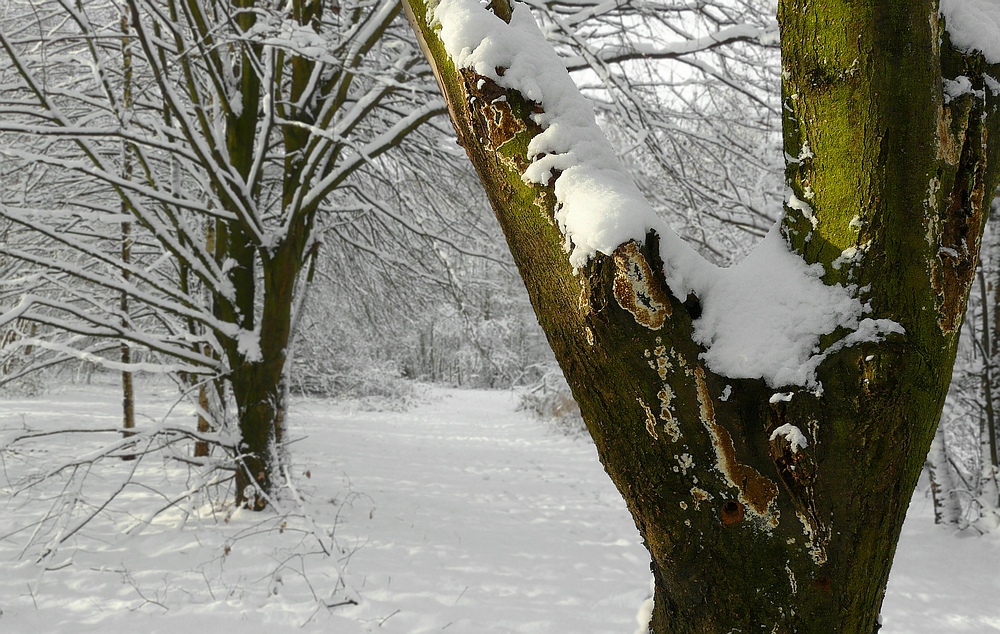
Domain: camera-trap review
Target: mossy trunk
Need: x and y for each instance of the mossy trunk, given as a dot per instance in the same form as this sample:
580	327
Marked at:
255	379
747	533
265	276
257	389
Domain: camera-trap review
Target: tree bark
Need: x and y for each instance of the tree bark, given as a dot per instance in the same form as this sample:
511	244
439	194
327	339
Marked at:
258	382
947	508
745	533
128	388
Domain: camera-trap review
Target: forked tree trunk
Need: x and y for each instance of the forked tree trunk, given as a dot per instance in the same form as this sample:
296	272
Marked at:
746	534
255	379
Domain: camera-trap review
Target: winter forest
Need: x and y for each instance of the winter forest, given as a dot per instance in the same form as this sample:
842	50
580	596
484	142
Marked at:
510	316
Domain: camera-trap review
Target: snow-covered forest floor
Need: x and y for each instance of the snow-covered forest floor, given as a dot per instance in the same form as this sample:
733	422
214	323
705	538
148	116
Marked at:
461	514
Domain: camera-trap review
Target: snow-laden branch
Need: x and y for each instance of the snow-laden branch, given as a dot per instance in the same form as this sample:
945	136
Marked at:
85	324
373	204
186	307
204	138
112	178
99	167
675	50
375	147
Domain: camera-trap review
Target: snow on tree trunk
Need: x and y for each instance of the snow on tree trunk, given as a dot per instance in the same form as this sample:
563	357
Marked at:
768	468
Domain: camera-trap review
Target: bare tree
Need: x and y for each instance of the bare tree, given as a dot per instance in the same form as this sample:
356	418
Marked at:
248	123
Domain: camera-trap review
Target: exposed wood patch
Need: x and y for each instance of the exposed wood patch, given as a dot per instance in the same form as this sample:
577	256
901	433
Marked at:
958	225
637	290
756	493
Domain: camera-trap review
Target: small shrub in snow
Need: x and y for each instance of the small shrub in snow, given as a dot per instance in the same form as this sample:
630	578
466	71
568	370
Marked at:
550	400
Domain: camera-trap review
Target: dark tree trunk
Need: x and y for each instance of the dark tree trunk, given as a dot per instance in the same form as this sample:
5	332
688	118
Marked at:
746	534
258	384
128	388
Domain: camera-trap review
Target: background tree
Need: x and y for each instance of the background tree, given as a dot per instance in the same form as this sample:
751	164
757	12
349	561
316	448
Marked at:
767	497
251	122
689	95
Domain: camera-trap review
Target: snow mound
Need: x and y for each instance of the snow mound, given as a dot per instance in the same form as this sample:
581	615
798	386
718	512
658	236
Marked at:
974	25
763	318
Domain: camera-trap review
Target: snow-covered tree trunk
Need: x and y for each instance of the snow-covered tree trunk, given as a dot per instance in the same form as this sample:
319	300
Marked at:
765	425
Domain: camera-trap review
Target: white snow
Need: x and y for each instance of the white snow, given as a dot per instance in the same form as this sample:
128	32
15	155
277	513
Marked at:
645	614
793	435
248	345
974	25
462	515
794	202
780	397
942	581
600	206
762	318
961	85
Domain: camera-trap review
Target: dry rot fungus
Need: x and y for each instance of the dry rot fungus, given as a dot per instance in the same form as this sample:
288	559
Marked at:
650	420
756	493
658	360
817	537
636	289
954	229
700	495
497	123
669	424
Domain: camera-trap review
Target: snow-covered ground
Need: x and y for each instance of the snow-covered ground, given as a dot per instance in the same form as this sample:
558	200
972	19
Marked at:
459	515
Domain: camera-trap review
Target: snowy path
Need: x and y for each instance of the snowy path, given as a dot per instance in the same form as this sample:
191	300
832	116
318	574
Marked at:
484	521
460	515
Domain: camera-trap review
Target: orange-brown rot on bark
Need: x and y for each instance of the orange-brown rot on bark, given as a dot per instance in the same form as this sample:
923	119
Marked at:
492	117
700	495
798	473
756	492
958	229
949	148
669	424
637	290
731	512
